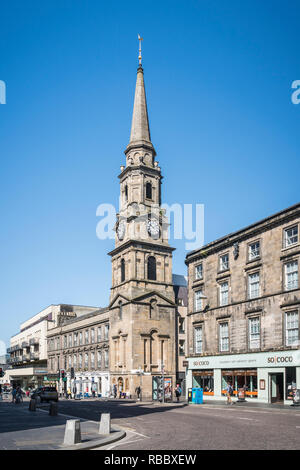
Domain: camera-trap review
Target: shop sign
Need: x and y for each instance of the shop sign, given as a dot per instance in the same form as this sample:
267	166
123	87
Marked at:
254	360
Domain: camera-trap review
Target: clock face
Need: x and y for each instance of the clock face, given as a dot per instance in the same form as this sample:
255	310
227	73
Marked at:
121	230
153	228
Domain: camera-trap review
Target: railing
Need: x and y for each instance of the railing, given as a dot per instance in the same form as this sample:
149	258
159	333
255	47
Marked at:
25	344
34	356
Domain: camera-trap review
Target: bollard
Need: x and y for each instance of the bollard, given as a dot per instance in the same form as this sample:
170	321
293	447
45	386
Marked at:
32	405
104	427
53	408
72	432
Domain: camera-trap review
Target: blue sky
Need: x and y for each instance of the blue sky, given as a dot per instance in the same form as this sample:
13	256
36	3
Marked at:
218	81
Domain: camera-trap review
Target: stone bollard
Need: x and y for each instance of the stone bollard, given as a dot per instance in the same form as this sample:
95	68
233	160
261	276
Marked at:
53	408
104	427
32	405
72	432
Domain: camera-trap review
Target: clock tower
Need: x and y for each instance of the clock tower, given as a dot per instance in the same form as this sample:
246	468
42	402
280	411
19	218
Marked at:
142	304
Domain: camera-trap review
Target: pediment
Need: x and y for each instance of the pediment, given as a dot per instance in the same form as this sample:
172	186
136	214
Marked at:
117	299
152	295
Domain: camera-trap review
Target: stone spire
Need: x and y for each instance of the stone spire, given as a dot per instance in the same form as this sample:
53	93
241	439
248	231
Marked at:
140	132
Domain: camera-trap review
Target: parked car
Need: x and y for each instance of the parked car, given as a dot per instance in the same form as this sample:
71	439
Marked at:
45	394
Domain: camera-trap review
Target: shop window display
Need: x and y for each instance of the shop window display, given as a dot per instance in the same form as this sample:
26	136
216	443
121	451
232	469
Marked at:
204	380
246	379
290	380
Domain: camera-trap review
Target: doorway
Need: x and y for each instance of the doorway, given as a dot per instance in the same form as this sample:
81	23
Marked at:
276	387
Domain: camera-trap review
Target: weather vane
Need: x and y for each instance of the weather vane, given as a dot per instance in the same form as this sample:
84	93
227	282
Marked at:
140	49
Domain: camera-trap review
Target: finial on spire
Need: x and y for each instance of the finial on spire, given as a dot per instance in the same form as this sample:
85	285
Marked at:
140	49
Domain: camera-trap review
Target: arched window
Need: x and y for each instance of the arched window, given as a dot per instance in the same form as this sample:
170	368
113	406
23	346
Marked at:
126	193
148	190
122	270
151	268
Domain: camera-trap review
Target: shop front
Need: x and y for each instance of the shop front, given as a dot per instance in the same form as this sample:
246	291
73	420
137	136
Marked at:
268	377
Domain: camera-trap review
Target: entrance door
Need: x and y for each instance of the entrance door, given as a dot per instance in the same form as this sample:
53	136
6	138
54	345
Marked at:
276	387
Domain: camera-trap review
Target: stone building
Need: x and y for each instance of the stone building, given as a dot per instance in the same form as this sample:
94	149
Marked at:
243	311
28	348
81	343
142	302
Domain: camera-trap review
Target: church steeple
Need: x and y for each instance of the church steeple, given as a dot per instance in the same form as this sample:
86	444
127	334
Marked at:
140	131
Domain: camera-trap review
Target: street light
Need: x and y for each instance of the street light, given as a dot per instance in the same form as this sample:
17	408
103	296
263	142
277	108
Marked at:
140	372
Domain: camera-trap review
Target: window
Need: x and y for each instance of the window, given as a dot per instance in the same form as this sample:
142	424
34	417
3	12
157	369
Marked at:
70	341
198	340
199	271
92	360
253	251
224	293
75	339
291	236
80	361
148	191
181	347
75	361
99	359
106	359
122	270
57	343
224	336
99	333
254	333
65	342
224	262
151	271
106	329
181	324
86	360
92	335
86	336
70	362
126	193
292	329
80	337
253	285
198	300
291	275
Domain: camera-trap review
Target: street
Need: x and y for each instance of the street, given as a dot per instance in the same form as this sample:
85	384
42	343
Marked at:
208	426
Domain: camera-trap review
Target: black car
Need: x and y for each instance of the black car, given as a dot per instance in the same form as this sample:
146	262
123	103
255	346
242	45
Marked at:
45	394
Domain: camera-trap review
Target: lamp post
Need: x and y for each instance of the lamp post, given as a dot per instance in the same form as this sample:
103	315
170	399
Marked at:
140	372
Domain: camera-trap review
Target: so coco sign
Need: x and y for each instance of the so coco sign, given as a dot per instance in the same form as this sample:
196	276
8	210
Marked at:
280	360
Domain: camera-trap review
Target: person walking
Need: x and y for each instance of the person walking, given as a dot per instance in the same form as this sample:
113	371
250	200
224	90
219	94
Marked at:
13	394
115	391
138	392
74	391
178	392
229	392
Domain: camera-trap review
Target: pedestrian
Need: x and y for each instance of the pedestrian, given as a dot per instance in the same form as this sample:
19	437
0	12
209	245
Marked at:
115	391
74	391
229	392
14	393
69	393
178	392
138	392
120	391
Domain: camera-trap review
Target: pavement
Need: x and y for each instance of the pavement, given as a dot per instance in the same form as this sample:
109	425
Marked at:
21	429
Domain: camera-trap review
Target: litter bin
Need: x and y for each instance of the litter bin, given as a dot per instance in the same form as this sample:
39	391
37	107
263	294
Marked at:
190	395
197	396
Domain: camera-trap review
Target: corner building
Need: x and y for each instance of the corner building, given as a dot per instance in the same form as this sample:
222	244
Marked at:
142	301
243	311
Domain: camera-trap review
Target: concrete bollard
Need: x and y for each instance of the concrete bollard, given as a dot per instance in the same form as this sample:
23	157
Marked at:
53	408
72	432
104	427
32	405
